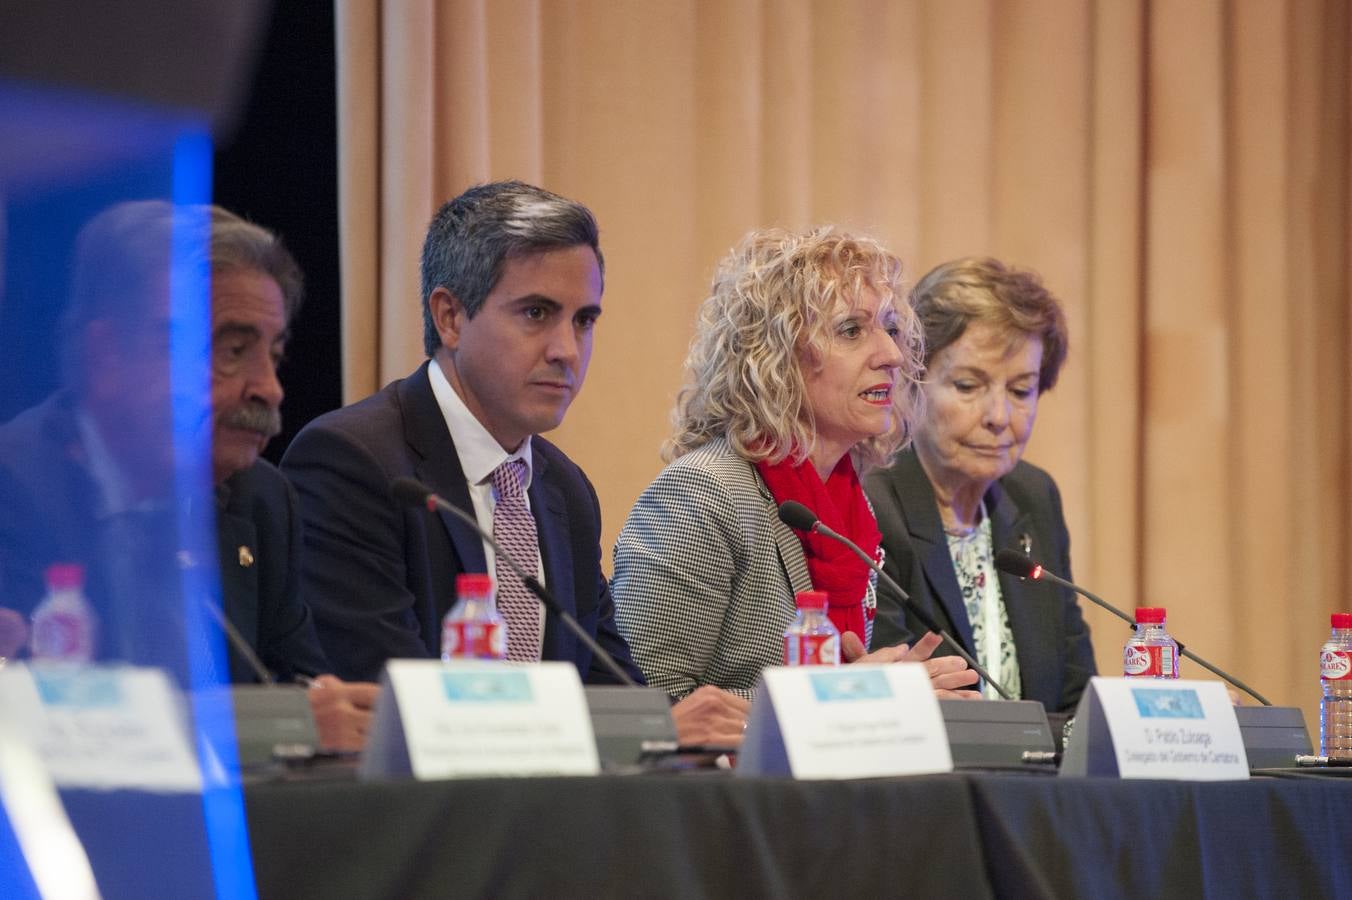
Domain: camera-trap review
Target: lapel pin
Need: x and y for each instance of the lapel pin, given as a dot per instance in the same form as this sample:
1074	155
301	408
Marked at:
246	557
1026	544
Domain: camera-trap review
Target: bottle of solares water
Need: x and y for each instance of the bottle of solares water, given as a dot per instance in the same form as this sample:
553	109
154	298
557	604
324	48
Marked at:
1150	652
64	624
811	639
1335	677
473	629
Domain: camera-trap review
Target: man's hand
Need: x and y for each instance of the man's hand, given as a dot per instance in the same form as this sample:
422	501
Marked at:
948	674
13	633
710	715
342	711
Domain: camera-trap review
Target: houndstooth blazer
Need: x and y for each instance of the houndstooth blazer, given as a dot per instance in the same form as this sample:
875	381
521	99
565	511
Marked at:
705	575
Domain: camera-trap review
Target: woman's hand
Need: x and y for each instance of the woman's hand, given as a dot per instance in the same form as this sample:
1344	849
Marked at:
948	674
709	715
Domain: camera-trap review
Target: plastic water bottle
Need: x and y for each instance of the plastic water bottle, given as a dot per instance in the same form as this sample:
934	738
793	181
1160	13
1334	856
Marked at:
1150	652
64	623
473	629
1335	676
811	639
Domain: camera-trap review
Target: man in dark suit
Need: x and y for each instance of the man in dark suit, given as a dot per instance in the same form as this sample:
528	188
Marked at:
85	476
512	278
256	289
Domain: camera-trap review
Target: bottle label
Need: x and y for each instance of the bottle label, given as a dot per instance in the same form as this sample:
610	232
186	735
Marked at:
62	636
1148	661
811	650
473	640
1335	665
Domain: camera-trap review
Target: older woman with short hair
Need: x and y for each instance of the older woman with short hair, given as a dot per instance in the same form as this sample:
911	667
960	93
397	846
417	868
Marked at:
803	368
995	340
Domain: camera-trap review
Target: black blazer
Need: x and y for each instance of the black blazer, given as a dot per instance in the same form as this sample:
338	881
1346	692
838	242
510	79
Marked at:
1051	638
47	495
258	535
380	576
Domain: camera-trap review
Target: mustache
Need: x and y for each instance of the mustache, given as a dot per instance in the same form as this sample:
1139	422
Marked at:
255	416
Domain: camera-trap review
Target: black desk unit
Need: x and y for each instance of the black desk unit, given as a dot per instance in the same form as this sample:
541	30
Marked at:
711	835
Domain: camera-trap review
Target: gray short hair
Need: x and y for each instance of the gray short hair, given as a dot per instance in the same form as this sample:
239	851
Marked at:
122	252
239	245
121	255
472	236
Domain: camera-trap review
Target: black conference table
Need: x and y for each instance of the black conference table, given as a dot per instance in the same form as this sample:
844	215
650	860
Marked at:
709	834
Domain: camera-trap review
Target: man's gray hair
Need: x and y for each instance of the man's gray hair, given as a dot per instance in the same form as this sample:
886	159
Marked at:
472	237
238	245
122	260
120	273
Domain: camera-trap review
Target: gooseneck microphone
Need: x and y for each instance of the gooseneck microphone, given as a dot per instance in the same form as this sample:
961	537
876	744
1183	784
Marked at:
1012	562
236	640
796	515
1015	563
411	492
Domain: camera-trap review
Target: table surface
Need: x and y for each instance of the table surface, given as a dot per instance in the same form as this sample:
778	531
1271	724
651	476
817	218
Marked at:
714	835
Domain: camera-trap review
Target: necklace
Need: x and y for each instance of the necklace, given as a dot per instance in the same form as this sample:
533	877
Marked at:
968	531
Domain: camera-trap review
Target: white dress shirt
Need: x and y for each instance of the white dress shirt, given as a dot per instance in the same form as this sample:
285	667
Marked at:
480	454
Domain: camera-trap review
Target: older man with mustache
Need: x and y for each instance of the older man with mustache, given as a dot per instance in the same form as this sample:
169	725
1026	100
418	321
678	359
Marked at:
255	291
87	476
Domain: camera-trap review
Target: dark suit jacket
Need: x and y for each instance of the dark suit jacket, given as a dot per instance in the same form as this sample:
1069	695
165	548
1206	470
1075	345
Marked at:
48	498
1050	637
258	534
380	576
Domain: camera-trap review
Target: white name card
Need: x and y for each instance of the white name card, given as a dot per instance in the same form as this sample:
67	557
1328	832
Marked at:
102	727
471	719
1156	728
852	721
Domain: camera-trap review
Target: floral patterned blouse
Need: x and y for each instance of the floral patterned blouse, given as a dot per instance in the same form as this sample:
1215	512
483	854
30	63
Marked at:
974	562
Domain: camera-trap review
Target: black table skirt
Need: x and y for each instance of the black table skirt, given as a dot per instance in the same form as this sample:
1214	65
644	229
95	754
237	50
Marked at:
966	835
642	836
713	835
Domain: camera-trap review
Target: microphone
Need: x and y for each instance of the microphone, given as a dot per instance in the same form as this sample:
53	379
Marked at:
1015	563
796	515
237	641
1012	562
411	492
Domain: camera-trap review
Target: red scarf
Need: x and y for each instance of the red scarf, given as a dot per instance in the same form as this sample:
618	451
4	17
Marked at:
841	506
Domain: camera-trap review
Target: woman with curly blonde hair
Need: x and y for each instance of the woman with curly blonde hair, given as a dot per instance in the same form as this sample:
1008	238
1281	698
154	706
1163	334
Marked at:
803	369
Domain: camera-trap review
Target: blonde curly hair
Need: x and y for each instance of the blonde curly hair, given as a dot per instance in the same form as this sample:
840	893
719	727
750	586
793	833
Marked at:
770	307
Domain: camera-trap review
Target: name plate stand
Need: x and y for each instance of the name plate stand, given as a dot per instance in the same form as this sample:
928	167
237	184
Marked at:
1156	728
105	728
474	719
852	721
